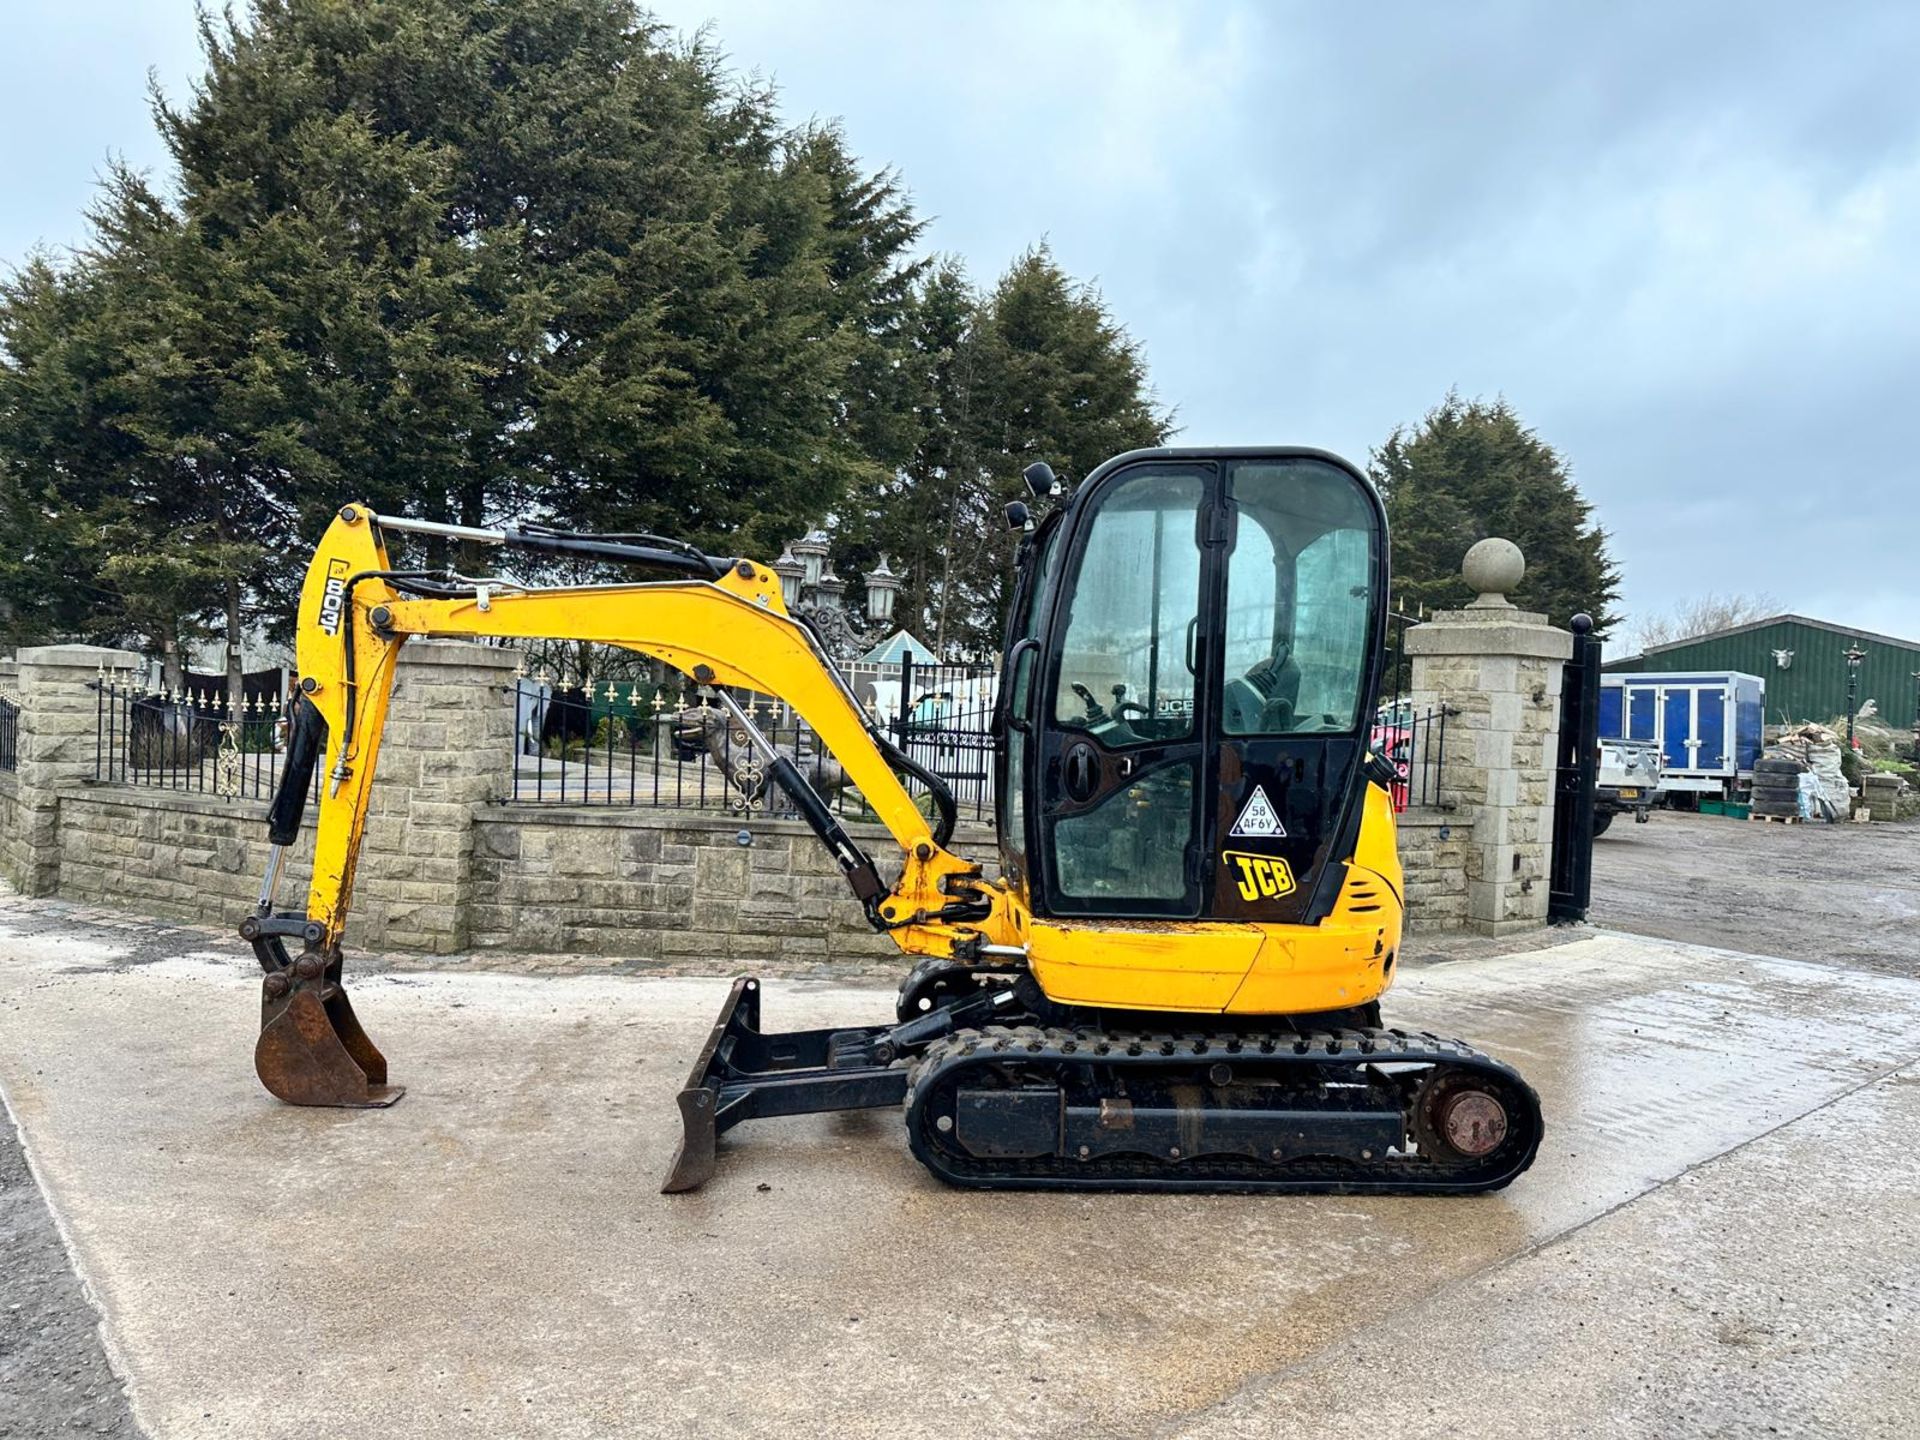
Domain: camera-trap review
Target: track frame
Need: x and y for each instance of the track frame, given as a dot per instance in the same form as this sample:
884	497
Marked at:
1360	1146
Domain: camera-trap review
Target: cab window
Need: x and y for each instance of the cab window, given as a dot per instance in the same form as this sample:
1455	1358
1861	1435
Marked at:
1300	598
1013	806
1127	649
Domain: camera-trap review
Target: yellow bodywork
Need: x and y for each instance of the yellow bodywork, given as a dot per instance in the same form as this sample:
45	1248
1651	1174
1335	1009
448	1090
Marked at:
736	631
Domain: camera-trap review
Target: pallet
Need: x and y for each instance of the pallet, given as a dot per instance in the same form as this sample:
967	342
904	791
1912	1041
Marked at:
1777	819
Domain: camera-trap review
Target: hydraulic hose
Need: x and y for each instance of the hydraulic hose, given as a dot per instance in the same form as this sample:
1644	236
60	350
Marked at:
943	800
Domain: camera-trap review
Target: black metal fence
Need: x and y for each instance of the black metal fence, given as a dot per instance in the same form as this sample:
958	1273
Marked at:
190	740
632	743
1415	742
9	734
635	744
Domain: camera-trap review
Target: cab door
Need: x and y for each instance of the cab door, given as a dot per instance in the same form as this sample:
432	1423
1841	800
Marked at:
1121	712
1302	648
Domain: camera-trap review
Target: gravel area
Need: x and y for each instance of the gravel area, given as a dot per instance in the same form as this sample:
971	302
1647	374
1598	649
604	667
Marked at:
54	1377
1834	894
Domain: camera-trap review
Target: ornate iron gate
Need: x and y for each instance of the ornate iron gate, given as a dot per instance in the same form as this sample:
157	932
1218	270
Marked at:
1575	776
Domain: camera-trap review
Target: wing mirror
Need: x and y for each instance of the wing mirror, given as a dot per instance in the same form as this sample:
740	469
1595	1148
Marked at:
1019	517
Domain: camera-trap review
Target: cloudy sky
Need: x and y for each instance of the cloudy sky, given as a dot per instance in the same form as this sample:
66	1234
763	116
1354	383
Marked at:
1684	241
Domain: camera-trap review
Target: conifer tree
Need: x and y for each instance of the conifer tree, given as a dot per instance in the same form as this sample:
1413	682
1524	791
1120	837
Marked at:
1035	369
1472	470
472	261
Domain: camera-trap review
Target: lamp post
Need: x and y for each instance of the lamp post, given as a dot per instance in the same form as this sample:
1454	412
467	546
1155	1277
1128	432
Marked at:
792	573
816	595
1854	656
882	586
811	551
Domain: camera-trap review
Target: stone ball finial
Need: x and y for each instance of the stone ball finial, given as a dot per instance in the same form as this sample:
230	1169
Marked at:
1493	569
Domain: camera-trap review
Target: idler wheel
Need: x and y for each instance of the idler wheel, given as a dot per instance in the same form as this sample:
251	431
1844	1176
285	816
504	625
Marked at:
1474	1123
931	985
1463	1118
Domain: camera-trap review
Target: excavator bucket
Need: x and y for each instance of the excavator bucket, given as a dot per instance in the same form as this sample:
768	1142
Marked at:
312	1050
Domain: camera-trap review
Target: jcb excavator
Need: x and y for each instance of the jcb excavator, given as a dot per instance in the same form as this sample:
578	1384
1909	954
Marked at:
1173	982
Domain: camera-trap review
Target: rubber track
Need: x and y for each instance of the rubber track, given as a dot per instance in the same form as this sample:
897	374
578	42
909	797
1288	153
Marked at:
946	1063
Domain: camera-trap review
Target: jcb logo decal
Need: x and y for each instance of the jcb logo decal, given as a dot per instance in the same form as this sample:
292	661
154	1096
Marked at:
333	597
1260	877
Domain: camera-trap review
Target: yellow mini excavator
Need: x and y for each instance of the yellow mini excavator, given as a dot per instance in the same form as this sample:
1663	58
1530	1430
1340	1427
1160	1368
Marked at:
1173	982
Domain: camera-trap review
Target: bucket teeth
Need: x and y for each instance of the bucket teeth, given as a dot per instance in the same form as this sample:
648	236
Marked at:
312	1050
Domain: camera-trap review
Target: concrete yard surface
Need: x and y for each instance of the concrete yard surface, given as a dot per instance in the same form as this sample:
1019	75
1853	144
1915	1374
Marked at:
1720	1236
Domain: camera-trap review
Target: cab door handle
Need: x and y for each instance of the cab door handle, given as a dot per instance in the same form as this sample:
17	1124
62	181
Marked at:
1080	772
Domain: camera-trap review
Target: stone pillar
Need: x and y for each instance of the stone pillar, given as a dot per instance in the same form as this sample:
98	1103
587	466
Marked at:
1500	668
448	748
58	746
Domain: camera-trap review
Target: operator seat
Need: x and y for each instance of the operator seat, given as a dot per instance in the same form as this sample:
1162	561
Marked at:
1263	700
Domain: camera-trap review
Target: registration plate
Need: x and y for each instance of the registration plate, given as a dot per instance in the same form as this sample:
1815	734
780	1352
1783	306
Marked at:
1629	794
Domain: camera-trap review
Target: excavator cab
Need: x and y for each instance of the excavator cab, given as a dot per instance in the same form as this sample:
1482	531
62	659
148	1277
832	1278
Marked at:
1194	656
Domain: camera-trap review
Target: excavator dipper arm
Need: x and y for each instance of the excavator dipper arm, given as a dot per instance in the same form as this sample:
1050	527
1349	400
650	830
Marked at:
723	625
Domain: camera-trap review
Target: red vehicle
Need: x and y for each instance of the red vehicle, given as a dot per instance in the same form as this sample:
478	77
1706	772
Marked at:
1393	738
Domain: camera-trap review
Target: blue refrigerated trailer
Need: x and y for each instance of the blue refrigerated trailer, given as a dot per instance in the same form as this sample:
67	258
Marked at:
1708	724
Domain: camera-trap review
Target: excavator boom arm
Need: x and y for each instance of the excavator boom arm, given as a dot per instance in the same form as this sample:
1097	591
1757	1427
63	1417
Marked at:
725	627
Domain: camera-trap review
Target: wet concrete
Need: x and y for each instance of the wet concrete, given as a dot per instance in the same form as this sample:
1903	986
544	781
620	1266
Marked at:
1772	1291
490	1258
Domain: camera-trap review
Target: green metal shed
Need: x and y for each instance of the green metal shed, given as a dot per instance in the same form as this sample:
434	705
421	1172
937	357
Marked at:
1804	664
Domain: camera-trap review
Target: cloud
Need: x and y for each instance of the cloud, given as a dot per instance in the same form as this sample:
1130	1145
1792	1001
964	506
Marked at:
1678	238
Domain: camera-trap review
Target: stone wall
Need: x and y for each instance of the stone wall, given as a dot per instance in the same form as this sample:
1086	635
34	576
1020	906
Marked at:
668	883
448	866
546	880
446	752
197	858
58	749
1434	847
16	859
650	884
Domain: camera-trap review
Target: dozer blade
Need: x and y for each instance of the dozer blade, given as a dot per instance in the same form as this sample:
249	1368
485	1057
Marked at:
312	1050
693	1162
742	1074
